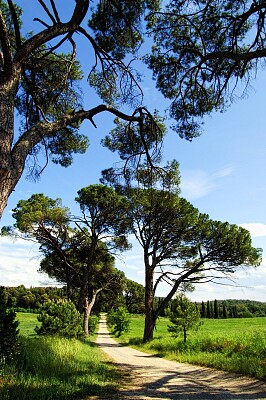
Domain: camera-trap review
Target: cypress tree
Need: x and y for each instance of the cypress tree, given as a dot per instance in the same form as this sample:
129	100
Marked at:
224	311
216	309
208	313
211	309
203	310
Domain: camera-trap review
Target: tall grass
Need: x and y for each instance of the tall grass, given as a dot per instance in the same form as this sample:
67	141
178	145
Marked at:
51	368
237	345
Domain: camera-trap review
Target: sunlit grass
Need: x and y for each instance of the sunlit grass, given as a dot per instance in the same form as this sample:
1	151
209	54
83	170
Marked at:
56	368
27	323
237	345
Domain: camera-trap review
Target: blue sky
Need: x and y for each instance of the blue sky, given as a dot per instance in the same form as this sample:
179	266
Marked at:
223	173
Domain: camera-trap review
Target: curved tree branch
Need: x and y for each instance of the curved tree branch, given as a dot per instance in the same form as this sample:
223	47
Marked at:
15	23
35	135
53	32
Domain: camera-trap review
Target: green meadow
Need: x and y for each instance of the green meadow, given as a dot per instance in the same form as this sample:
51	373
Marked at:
236	345
56	368
62	369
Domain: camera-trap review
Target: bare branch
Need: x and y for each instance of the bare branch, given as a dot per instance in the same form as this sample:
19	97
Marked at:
15	22
42	22
46	9
6	47
107	59
55	11
54	31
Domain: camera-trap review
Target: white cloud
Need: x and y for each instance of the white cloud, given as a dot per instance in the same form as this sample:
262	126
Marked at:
197	183
256	229
19	264
223	172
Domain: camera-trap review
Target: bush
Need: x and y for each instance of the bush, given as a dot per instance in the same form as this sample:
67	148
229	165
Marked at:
59	318
93	323
119	321
8	332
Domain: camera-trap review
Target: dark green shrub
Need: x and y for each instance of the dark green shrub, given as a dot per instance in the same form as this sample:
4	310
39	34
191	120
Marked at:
119	321
93	323
8	332
59	318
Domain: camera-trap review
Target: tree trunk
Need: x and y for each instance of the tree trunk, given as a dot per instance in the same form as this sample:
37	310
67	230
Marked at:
7	164
149	300
86	317
87	311
185	334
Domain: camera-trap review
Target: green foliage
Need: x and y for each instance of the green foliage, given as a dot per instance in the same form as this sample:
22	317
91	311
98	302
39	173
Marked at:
78	257
93	323
39	210
172	232
27	323
184	316
119	321
134	294
61	319
235	345
200	48
114	33
59	369
136	139
233	309
106	214
8	332
25	299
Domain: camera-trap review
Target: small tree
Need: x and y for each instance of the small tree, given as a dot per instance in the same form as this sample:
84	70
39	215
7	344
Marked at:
59	318
185	316
119	321
8	331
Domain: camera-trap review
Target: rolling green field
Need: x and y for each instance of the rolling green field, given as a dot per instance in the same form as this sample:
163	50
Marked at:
237	345
62	369
56	368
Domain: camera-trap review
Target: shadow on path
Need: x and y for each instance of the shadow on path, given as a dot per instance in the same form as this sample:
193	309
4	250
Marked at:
150	377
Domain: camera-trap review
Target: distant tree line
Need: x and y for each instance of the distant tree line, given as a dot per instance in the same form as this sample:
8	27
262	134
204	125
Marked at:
232	309
30	299
130	295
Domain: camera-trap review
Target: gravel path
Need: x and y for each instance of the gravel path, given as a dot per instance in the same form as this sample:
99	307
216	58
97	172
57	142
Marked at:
149	377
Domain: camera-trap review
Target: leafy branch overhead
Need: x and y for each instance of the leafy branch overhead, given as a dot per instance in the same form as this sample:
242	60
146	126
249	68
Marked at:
203	50
40	78
200	52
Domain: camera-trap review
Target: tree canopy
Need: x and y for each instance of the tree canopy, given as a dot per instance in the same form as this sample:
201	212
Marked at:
40	75
203	51
181	246
78	257
200	51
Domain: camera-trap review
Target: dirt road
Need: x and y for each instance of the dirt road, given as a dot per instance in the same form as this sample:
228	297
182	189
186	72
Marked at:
150	377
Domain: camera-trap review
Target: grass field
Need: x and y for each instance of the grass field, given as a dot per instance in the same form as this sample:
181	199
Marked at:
237	345
63	369
27	323
56	368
